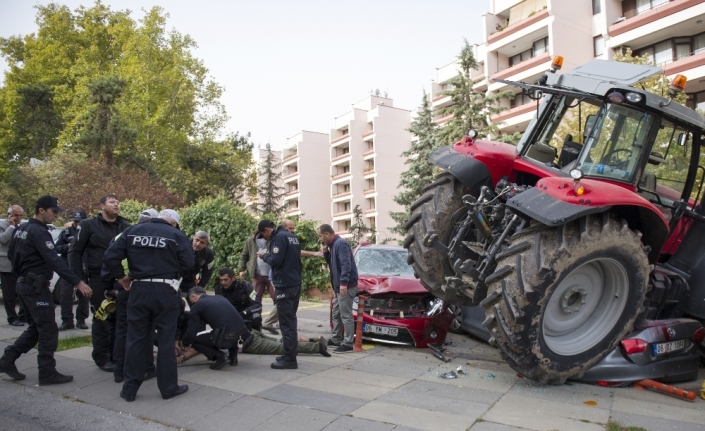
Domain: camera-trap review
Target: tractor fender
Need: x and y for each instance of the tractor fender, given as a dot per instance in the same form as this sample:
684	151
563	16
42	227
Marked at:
471	172
554	202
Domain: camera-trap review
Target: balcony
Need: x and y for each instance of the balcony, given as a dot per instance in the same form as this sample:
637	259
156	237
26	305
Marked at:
342	158
367	134
369	191
368	173
341	177
659	22
367	155
517	69
291	177
372	212
515	119
292	194
683	65
290	159
293	211
340	140
345	196
516	27
442	120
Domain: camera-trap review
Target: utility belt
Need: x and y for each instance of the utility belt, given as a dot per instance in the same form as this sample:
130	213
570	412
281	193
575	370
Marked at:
224	339
38	281
173	282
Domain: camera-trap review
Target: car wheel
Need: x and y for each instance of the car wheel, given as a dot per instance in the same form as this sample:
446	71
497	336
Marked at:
456	324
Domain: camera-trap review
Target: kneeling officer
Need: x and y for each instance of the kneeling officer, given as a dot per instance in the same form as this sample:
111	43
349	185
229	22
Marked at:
34	259
228	327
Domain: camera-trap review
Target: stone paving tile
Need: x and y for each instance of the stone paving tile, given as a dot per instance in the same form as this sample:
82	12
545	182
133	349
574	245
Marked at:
191	406
410	396
97	393
8	332
81	379
148	398
8	391
571	393
654	423
541	414
423	388
650	396
367	378
405	428
302	418
685	413
83	353
333	403
474	378
413	417
241	383
334	386
391	367
347	423
243	414
491	426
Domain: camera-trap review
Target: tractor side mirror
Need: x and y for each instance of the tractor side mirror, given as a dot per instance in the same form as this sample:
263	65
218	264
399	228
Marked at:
589	124
682	139
656	158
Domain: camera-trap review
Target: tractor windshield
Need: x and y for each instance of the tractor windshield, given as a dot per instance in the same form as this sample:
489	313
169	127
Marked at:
615	144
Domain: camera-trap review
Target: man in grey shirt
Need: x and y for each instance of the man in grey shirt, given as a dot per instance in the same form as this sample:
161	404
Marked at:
7	277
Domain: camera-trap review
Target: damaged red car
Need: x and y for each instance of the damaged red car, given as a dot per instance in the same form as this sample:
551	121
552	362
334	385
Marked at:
398	309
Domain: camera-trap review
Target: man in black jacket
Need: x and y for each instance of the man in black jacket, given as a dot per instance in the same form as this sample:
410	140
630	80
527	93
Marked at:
65	288
203	263
93	238
34	260
228	327
284	256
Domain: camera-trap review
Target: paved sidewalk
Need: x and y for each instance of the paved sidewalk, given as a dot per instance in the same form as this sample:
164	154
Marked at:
384	388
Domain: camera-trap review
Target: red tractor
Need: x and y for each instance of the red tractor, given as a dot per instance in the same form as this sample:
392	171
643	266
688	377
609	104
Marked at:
566	242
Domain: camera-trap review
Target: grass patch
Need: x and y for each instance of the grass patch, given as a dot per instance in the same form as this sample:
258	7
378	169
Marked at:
616	426
74	342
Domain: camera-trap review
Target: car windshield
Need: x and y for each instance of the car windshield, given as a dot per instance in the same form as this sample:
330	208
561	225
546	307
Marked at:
615	144
382	262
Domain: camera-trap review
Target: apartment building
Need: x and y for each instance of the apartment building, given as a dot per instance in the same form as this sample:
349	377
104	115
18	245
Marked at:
250	200
306	176
522	37
365	163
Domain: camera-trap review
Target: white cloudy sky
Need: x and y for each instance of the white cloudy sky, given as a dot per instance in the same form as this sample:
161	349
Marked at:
292	65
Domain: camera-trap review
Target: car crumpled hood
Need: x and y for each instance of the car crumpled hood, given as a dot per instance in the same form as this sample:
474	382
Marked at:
373	285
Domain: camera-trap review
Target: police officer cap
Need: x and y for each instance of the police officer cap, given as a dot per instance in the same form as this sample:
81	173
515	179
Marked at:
48	201
147	215
264	224
78	215
169	213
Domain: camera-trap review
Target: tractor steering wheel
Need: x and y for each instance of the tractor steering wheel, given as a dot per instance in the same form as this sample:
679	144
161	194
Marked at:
619	164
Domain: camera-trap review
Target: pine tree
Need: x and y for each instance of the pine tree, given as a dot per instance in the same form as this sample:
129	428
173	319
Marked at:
358	229
269	193
469	109
420	171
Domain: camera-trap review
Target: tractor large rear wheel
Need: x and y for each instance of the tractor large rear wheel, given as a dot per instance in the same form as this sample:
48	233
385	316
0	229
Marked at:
432	214
570	298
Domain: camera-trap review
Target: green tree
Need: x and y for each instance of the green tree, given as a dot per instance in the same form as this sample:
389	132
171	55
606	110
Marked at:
469	109
270	193
314	271
37	127
105	129
420	171
358	228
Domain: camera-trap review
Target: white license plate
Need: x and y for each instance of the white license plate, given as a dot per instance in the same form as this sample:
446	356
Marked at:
662	348
384	330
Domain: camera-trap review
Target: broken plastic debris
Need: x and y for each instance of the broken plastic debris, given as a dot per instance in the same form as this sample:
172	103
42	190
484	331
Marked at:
590	403
460	369
449	375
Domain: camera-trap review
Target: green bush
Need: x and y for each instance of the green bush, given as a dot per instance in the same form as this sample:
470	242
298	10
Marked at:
314	269
131	209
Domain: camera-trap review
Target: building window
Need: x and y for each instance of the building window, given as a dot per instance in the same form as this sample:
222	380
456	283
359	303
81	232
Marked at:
346	188
346	150
538	47
596	8
599	45
673	49
346	207
346	169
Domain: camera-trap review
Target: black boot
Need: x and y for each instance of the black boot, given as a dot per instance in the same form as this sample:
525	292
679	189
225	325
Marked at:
232	355
220	361
7	364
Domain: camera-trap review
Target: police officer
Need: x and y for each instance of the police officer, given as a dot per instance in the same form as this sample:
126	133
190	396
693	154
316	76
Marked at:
65	288
202	265
92	239
284	256
34	260
228	327
158	254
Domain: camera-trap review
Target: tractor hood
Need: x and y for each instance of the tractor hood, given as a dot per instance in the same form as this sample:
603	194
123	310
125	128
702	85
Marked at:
374	285
625	74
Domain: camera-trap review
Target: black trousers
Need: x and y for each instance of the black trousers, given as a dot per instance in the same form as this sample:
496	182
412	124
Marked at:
9	293
42	330
151	305
287	305
102	331
121	336
66	295
205	344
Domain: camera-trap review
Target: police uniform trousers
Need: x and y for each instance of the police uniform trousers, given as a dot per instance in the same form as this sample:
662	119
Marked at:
42	330
102	331
264	345
287	305
205	344
9	293
121	336
151	305
66	299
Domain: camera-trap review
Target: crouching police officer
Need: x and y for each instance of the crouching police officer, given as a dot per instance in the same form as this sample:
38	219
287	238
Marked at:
228	327
157	255
284	256
34	259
